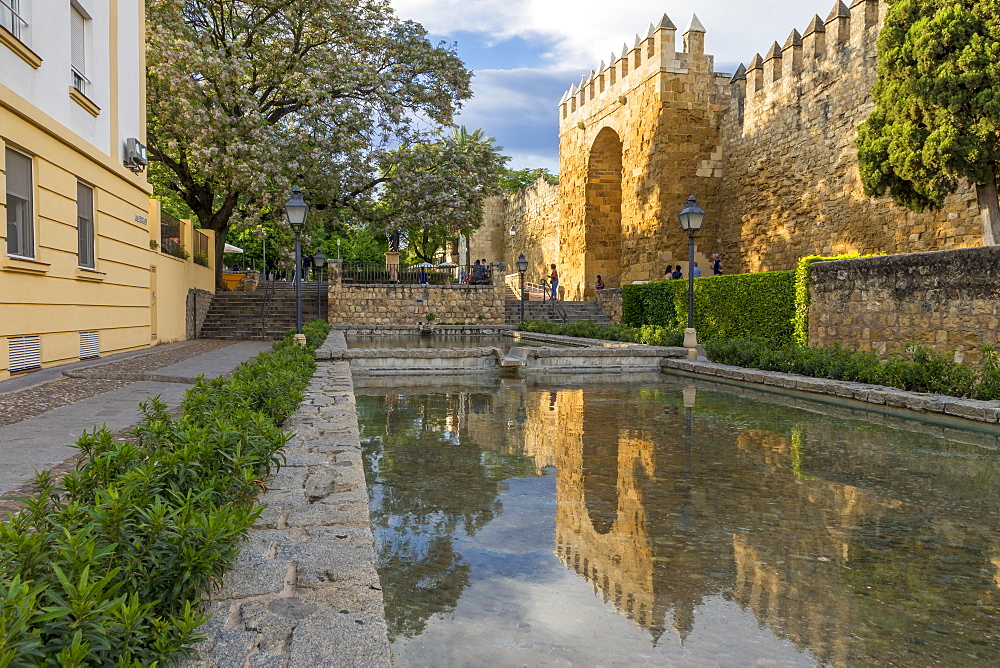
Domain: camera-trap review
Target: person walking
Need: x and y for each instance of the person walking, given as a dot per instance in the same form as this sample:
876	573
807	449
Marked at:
697	270
716	265
599	284
554	283
676	273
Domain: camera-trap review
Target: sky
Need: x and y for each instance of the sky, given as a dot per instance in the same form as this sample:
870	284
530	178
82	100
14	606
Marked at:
525	54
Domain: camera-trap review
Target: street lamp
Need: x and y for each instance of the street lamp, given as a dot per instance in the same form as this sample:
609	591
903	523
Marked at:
296	210
319	259
522	266
691	219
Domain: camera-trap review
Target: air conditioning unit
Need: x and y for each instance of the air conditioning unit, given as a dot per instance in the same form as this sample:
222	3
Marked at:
135	155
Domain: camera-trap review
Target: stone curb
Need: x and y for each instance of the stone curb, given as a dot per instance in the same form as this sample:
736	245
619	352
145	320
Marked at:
304	591
969	409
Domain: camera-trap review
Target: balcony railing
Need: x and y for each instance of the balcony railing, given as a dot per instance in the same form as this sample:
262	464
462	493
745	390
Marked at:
79	81
10	19
201	248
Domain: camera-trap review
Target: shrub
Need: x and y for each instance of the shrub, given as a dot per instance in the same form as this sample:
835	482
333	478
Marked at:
315	332
917	369
737	305
110	571
648	334
201	258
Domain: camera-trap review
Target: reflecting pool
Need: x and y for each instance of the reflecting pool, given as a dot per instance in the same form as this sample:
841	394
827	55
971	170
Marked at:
676	522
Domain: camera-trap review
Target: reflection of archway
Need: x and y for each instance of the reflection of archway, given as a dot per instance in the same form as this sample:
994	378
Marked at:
600	483
604	212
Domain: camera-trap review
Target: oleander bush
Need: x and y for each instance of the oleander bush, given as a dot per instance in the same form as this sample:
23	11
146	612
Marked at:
649	334
108	567
315	332
917	369
736	305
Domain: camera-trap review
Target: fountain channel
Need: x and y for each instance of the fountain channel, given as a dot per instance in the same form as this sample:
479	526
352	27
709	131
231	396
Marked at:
661	520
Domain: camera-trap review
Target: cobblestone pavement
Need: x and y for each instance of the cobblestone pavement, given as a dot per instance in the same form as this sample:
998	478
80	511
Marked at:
31	402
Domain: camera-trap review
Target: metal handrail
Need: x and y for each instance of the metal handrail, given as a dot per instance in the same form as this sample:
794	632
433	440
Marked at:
13	13
531	289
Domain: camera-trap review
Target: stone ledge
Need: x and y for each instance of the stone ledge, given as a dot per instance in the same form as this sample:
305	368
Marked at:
305	590
969	409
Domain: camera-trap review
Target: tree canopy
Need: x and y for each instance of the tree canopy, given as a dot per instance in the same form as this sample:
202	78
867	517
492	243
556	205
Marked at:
518	179
434	191
248	97
936	121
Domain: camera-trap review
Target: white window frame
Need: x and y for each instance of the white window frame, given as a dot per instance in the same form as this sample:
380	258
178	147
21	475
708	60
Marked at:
25	228
86	249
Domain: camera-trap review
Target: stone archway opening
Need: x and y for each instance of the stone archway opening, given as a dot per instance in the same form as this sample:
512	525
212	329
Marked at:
604	213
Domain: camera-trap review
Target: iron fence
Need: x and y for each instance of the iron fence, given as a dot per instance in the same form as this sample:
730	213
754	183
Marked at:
170	236
382	274
201	248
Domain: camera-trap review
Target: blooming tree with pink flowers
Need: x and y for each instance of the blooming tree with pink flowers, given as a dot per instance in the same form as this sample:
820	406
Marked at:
434	191
247	98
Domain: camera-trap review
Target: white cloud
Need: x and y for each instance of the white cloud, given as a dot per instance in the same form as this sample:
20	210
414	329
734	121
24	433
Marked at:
584	32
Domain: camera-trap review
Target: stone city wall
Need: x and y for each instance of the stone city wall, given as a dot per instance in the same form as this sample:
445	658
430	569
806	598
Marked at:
769	152
947	300
524	222
198	302
384	304
791	167
610	301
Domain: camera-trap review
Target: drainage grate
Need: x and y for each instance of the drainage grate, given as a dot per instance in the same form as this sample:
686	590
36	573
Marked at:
89	345
24	352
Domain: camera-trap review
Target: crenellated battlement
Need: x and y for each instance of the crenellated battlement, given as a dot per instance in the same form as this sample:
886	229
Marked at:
612	81
818	48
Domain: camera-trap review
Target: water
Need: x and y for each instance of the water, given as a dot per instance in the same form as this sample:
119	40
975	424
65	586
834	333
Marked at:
505	343
595	525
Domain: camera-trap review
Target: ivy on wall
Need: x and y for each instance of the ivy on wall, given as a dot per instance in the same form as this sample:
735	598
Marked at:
803	297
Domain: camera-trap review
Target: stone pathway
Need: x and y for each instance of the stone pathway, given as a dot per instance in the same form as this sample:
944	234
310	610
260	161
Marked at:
305	591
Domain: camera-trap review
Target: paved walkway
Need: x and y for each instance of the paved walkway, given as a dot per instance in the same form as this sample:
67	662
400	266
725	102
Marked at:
30	441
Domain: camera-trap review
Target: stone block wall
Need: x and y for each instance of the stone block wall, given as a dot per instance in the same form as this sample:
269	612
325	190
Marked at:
383	304
791	166
198	302
610	301
947	300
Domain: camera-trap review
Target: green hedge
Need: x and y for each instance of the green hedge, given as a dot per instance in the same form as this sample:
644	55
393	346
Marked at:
803	298
110	569
918	369
649	334
737	305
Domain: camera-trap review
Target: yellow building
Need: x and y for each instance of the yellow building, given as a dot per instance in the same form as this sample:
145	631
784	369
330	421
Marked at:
79	275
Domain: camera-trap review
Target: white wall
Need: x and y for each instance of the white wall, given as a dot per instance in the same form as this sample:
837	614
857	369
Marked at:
47	87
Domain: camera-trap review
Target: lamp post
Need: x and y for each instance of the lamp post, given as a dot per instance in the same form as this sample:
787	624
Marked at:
691	219
522	266
338	250
296	210
319	259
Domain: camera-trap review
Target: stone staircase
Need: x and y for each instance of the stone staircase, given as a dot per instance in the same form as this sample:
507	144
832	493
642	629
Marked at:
560	312
264	315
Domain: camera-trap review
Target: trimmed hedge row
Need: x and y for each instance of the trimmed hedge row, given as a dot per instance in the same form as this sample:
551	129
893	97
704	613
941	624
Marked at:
110	571
736	305
918	369
648	334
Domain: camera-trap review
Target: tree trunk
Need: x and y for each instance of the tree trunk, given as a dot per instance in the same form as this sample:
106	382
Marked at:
989	212
220	247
